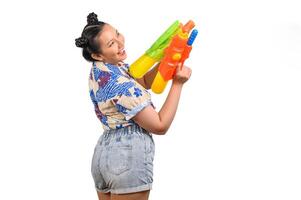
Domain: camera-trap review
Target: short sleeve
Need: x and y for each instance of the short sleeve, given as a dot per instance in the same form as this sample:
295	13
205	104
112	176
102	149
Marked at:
133	99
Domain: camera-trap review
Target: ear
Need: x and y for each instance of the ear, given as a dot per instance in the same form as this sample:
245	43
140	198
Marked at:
98	57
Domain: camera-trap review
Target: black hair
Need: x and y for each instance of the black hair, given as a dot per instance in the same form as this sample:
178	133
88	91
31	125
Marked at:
88	40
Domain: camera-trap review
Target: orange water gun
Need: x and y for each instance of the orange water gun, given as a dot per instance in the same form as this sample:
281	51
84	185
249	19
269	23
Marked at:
177	52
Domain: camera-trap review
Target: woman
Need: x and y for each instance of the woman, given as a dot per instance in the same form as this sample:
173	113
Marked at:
122	163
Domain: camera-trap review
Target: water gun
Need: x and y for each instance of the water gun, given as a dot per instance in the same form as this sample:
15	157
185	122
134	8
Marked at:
172	47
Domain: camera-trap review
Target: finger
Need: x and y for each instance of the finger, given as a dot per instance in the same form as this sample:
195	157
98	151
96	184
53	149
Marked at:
179	67
190	71
190	74
186	69
187	72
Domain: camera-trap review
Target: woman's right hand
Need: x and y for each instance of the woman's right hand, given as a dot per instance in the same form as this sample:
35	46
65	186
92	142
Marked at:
182	75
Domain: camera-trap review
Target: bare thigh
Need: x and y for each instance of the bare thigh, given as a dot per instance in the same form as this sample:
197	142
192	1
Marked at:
104	196
132	196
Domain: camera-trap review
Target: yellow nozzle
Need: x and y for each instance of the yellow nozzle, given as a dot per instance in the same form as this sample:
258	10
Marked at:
158	84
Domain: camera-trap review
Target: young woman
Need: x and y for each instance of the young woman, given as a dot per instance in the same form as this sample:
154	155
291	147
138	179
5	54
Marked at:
122	163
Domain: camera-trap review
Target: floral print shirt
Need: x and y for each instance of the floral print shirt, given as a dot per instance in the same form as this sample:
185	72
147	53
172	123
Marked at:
116	95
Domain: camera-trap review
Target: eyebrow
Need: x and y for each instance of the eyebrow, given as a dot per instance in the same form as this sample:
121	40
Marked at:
112	39
109	42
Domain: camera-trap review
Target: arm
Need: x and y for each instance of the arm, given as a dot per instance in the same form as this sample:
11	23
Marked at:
160	122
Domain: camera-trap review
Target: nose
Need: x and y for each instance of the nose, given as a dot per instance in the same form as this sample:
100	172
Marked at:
119	42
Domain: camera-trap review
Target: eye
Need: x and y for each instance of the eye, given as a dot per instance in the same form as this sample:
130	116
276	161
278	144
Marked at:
111	44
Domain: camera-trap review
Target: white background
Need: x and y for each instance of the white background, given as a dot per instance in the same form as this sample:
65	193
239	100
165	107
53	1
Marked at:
236	134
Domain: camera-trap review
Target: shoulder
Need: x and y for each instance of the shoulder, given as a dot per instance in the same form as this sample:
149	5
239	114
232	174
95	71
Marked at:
113	77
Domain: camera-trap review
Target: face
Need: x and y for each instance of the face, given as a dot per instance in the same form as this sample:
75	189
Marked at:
112	46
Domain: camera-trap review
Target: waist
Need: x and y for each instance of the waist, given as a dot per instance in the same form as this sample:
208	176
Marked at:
133	128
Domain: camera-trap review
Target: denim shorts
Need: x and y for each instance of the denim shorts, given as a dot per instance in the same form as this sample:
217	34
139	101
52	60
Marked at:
123	160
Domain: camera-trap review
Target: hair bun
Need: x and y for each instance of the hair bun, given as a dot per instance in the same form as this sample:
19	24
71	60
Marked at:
81	42
92	19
